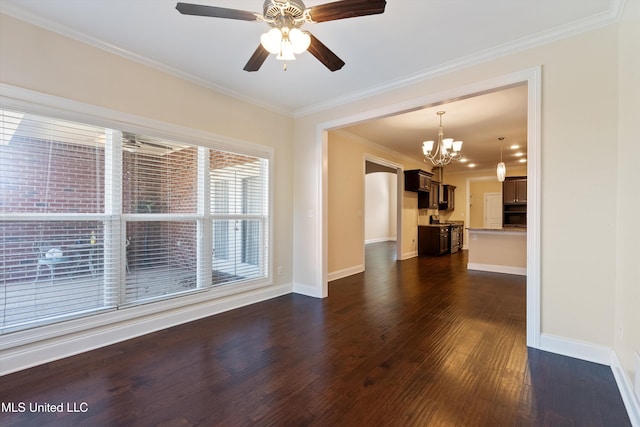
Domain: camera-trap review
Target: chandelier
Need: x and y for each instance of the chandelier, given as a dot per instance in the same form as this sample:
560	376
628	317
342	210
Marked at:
445	150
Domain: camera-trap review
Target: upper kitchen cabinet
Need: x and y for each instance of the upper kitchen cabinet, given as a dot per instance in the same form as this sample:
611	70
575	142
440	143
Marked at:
514	196
448	198
417	180
514	190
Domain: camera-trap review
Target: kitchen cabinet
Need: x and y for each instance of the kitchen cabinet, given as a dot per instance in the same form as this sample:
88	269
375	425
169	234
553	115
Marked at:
514	190
417	180
433	239
448	198
514	202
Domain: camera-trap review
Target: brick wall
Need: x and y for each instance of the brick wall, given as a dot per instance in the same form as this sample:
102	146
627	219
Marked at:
38	176
49	177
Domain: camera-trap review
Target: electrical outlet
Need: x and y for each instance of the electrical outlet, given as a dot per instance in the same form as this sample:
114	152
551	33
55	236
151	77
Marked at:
279	271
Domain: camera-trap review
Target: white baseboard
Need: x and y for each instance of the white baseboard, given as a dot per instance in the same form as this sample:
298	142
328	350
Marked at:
626	390
36	353
380	239
577	349
520	271
407	255
310	291
597	354
345	272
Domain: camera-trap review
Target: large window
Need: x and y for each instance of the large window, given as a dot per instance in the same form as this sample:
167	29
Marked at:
96	219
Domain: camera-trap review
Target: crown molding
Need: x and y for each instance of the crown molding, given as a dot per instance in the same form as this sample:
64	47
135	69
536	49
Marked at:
611	16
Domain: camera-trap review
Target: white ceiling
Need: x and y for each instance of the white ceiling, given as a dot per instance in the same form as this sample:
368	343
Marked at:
413	39
478	121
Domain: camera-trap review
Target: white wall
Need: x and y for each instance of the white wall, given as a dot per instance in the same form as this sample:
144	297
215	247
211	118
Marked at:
380	212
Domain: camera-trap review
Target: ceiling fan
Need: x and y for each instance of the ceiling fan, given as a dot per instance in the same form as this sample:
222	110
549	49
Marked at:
285	17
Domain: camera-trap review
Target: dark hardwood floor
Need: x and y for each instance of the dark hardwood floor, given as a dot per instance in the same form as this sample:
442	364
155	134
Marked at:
422	342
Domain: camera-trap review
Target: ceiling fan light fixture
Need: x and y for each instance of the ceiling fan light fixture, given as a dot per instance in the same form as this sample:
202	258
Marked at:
286	15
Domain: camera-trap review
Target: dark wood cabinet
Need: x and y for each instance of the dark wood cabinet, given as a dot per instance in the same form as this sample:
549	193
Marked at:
420	181
514	190
448	198
514	202
417	180
433	240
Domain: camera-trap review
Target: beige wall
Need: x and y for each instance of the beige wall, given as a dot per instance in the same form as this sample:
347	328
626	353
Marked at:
627	319
346	203
499	251
477	190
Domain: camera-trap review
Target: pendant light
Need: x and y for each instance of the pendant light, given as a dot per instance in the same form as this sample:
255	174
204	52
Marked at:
501	170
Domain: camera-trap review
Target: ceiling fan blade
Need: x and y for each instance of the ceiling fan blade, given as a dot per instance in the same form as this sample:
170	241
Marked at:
215	12
257	59
346	9
324	54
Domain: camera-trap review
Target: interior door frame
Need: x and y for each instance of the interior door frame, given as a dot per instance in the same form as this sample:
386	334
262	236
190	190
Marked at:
532	77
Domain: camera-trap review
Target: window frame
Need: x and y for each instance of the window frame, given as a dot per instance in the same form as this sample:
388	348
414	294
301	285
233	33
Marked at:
51	106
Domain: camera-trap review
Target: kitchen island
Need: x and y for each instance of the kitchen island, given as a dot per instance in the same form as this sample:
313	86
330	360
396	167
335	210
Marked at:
499	250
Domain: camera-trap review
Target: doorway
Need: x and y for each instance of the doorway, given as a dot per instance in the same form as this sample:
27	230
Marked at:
531	77
382	203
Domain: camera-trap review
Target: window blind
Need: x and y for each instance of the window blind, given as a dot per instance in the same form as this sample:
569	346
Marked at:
160	195
52	193
97	219
239	213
